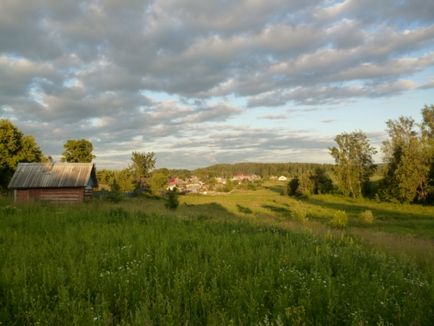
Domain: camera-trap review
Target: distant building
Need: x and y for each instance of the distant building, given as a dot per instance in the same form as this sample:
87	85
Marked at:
282	178
193	185
239	177
56	182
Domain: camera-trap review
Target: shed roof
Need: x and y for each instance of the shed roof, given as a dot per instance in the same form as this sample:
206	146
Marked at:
57	175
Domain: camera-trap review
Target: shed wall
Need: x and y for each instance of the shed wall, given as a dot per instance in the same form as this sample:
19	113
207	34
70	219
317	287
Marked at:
50	194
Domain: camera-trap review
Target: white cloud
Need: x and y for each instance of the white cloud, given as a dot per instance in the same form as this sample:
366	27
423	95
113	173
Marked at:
80	69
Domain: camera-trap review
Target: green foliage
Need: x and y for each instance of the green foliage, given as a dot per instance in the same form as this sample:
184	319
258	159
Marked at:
308	183
293	187
410	159
366	217
115	195
123	179
142	163
171	200
158	182
77	151
354	164
15	148
322	184
339	219
428	121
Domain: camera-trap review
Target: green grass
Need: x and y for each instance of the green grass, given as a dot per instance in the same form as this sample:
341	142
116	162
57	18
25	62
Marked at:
400	219
136	263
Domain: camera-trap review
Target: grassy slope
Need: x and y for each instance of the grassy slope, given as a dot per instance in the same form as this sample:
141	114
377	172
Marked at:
399	228
404	219
138	263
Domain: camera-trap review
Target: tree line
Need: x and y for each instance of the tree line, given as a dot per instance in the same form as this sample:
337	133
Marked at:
407	174
408	156
15	147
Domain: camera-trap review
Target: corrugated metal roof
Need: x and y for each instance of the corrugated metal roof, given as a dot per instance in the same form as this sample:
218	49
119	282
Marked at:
57	175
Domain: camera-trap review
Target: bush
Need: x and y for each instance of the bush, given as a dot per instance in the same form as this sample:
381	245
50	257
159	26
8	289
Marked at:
299	213
172	201
115	195
339	219
293	187
366	217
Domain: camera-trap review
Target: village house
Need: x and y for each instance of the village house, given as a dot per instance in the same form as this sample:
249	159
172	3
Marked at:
55	182
193	185
283	178
240	177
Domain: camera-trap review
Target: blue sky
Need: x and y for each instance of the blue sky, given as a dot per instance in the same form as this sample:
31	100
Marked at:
204	82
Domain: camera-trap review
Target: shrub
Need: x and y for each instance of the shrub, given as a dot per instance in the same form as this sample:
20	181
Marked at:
299	213
366	217
115	195
339	219
172	201
293	187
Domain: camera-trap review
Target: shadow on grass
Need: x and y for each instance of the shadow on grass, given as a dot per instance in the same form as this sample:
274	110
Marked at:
279	210
278	189
391	221
209	211
355	208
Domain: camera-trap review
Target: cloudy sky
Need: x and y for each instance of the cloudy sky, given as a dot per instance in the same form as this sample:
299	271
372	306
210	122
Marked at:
203	82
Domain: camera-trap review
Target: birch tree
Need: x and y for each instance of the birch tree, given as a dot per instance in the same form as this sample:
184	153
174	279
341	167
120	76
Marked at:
354	163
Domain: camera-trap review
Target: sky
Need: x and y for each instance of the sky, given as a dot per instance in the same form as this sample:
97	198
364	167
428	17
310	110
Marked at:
205	82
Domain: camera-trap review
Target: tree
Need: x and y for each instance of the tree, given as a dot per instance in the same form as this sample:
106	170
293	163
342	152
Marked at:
158	182
15	148
125	180
413	170
322	184
428	135
409	156
428	121
142	165
78	151
293	187
354	164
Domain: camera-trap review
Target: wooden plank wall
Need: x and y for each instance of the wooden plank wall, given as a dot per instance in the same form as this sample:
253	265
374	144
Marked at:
51	194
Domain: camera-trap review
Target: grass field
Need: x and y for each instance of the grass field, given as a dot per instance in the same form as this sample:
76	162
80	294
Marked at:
240	259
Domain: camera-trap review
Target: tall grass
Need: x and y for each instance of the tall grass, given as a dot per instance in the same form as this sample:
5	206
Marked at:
119	264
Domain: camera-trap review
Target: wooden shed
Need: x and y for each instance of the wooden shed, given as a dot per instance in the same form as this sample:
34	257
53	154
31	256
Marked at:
56	182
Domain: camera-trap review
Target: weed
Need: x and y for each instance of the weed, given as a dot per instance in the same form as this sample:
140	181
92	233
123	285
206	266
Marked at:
339	219
366	217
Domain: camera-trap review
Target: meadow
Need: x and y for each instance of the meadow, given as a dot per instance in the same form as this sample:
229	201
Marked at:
245	258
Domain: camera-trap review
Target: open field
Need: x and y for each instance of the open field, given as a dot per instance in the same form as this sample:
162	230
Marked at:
403	219
239	258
